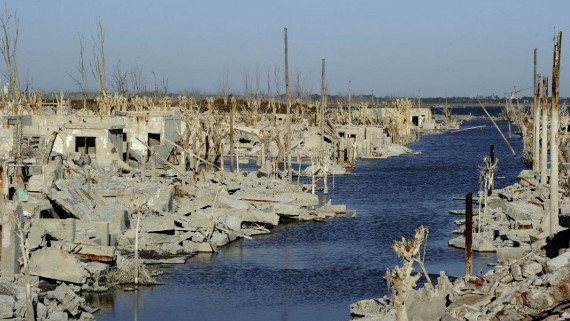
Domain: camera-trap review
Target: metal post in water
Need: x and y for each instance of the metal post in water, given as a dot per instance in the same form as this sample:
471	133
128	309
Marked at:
468	233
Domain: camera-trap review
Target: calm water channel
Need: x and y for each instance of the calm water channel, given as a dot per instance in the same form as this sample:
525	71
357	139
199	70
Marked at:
313	271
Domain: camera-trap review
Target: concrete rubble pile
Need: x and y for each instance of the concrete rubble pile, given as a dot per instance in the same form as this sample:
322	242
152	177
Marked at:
88	196
513	217
534	287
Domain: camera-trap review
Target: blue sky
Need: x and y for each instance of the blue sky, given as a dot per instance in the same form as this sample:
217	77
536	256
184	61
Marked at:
454	48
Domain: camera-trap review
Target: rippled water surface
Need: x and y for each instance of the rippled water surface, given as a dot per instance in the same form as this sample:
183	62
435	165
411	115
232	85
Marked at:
313	271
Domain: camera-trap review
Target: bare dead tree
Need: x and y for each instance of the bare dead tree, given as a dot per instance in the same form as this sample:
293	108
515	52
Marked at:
155	92
224	86
247	85
80	78
138	82
277	81
268	78
298	86
258	94
98	65
164	85
120	83
10	24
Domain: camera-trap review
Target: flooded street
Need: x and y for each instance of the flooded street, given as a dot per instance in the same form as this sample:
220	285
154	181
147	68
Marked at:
313	271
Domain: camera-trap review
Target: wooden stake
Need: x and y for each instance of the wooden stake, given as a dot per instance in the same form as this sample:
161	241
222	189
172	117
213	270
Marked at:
468	233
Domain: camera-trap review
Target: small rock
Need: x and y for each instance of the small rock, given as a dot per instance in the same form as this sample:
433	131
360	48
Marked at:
558	262
58	316
86	316
540	300
198	237
516	272
7	304
531	269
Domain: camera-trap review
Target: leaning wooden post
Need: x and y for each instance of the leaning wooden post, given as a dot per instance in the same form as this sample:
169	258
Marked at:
349	102
232	120
536	122
288	97
323	102
498	129
468	233
554	147
544	133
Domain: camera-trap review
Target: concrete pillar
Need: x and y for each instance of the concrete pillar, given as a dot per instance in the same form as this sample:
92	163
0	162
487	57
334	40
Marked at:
9	263
102	231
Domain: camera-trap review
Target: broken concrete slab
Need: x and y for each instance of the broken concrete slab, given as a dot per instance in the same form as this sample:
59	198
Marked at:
73	198
256	216
157	224
86	230
512	253
520	211
62	230
11	253
301	199
57	264
68	299
93	252
7	306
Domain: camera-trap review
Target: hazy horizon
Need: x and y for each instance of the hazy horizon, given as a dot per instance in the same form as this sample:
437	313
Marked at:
448	48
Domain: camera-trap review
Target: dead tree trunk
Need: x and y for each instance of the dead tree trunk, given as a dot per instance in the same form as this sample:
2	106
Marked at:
554	140
349	102
536	129
544	133
288	97
232	119
536	116
323	103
